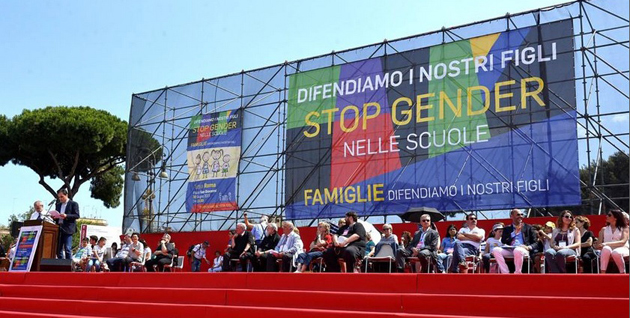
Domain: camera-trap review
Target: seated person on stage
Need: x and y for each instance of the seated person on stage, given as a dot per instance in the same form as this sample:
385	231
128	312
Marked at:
114	249
370	246
446	248
521	238
116	264
229	242
468	242
93	241
565	242
80	258
349	245
217	264
388	238
147	250
543	233
163	254
588	254
322	241
136	251
405	239
494	240
259	261
241	247
98	253
613	241
289	244
424	246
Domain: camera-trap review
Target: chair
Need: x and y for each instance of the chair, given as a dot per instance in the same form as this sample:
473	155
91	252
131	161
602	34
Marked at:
280	261
626	260
175	268
539	262
526	258
472	264
249	267
473	261
385	254
139	265
577	260
165	266
357	265
320	261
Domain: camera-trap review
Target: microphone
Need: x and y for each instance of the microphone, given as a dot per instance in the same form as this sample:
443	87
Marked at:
53	201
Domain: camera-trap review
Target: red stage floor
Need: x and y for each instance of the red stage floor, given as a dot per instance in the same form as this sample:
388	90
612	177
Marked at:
52	294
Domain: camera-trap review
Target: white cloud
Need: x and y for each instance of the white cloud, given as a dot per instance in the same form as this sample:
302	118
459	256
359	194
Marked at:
620	118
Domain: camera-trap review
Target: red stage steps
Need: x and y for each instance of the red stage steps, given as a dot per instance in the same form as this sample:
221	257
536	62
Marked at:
311	295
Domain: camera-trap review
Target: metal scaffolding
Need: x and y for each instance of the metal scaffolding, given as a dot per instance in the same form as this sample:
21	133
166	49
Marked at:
157	173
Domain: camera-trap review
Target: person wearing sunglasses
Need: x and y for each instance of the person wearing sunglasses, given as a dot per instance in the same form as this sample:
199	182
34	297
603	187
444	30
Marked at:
613	241
565	242
468	243
424	246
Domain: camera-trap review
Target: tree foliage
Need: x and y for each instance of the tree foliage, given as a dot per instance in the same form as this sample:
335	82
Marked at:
72	144
108	187
26	215
611	178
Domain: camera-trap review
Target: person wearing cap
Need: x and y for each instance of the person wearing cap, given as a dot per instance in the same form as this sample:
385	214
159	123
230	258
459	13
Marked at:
544	235
521	239
494	240
198	254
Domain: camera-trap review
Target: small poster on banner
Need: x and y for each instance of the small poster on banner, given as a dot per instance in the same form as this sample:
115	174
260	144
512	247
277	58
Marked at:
214	151
26	248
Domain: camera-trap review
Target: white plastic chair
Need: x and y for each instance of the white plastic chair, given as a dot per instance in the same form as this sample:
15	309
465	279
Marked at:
177	268
385	254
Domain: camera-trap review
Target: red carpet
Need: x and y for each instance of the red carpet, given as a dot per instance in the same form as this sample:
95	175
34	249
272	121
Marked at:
311	295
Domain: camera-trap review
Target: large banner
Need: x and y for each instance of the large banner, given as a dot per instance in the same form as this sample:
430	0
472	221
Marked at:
214	150
482	123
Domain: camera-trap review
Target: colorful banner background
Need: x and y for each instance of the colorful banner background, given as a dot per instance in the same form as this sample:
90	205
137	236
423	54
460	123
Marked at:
25	249
214	150
478	124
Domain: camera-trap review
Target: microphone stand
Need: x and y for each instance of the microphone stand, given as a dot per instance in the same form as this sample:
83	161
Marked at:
47	217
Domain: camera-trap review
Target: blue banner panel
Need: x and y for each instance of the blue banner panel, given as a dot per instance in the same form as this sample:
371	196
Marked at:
479	124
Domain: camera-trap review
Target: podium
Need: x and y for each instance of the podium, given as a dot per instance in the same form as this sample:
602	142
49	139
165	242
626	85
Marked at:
47	245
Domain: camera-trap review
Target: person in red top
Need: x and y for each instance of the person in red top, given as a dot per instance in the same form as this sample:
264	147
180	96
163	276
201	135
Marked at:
322	241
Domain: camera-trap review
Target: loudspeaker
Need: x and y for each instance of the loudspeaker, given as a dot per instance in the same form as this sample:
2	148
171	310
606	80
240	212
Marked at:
55	265
15	228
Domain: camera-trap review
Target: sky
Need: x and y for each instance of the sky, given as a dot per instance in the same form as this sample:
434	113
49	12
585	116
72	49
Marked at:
98	53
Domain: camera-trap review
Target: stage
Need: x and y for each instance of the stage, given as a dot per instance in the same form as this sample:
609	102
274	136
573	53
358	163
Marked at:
59	294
